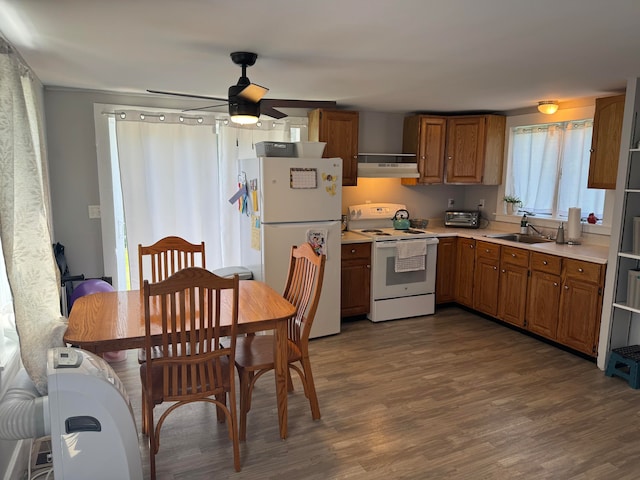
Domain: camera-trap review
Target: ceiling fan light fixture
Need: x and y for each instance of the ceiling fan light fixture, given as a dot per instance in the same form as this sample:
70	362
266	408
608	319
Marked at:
548	107
244	113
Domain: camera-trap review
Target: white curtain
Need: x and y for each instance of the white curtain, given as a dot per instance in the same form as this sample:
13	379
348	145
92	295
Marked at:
170	184
24	221
549	168
177	177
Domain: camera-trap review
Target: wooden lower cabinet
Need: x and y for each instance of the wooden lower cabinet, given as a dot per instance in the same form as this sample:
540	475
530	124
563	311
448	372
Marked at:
555	297
543	300
580	305
446	270
355	287
514	276
486	278
465	265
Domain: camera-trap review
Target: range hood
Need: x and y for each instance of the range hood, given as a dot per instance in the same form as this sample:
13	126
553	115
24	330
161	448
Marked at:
387	165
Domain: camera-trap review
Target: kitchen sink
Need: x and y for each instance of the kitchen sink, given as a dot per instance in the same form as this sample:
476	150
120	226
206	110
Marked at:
520	238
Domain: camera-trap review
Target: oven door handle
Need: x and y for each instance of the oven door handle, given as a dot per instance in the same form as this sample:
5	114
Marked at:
393	243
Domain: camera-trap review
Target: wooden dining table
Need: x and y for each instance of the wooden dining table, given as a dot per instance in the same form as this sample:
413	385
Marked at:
112	321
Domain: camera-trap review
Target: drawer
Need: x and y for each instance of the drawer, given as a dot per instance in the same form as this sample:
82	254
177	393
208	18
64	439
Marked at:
546	263
514	256
351	251
587	271
487	250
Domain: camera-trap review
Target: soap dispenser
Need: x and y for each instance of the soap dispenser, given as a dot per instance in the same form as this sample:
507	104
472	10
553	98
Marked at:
560	234
523	224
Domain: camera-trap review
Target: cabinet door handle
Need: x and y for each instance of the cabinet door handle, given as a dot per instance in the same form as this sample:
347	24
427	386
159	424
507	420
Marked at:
555	284
353	250
504	271
580	270
544	262
486	250
470	246
566	287
513	255
495	268
368	266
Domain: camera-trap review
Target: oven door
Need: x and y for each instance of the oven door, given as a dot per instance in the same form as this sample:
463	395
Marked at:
387	283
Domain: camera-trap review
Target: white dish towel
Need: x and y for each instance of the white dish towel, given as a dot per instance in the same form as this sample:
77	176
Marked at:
411	255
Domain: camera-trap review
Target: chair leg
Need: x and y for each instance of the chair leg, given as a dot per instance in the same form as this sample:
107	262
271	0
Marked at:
145	427
222	398
311	388
289	381
245	402
233	413
152	441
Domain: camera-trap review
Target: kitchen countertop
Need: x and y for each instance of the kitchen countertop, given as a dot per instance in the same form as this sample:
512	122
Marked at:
586	252
353	237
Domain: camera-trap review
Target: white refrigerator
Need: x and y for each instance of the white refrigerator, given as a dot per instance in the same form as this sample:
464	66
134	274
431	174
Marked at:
291	201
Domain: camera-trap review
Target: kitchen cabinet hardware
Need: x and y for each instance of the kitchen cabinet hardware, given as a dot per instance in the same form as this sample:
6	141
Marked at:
545	263
580	270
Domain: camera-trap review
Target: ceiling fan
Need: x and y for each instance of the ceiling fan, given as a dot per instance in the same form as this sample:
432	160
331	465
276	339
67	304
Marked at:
245	98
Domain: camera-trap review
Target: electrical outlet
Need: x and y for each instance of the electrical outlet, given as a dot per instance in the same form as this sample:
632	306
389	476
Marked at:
481	203
450	203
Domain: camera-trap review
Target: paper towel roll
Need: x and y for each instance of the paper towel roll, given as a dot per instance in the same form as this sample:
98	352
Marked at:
573	224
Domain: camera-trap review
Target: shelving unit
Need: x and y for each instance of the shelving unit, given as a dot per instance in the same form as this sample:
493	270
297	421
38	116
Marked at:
620	324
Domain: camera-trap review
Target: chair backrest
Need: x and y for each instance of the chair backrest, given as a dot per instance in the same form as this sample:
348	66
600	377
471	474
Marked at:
303	288
159	261
189	305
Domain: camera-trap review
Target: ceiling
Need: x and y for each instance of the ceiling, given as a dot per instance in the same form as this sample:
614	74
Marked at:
386	56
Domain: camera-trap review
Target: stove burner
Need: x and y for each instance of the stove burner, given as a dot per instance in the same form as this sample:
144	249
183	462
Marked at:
372	230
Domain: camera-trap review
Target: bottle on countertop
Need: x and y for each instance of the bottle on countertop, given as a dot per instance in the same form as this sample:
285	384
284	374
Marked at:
560	234
523	224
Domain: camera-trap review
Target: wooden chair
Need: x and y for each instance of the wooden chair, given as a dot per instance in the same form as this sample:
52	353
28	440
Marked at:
194	366
167	256
158	262
254	354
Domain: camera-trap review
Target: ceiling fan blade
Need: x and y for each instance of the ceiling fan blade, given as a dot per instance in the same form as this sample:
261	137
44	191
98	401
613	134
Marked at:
271	112
253	92
188	95
274	102
204	108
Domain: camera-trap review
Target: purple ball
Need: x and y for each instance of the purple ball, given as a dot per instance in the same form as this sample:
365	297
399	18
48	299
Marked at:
95	285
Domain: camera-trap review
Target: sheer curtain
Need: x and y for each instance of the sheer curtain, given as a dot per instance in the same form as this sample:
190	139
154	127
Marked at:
170	182
549	168
177	177
24	220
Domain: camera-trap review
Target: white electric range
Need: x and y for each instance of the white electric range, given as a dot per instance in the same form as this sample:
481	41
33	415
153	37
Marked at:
403	263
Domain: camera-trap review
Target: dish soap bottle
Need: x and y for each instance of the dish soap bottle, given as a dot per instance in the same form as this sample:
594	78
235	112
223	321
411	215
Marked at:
523	224
560	234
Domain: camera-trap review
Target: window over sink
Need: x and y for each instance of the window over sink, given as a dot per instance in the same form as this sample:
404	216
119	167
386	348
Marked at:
548	166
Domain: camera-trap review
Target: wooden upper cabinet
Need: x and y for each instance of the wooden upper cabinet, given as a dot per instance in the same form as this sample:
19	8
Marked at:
425	136
475	149
339	128
605	142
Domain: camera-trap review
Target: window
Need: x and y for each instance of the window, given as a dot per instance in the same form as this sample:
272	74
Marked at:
548	167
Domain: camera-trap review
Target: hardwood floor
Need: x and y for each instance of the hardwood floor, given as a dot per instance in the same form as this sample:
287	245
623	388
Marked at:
448	396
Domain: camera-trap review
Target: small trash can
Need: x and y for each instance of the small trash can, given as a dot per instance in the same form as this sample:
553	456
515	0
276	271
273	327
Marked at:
243	272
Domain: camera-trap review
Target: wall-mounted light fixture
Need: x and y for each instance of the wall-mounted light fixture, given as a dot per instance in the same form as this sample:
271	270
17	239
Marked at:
548	107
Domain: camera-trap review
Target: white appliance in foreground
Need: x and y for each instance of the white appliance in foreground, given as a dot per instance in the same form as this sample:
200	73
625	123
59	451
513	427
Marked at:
93	432
403	263
295	200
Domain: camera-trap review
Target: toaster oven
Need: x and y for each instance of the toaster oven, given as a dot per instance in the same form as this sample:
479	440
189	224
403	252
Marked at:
462	218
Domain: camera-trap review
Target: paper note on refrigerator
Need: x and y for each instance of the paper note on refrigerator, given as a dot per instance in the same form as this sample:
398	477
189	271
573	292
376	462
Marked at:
318	240
255	232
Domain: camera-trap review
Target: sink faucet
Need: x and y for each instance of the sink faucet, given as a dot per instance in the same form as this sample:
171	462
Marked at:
536	230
